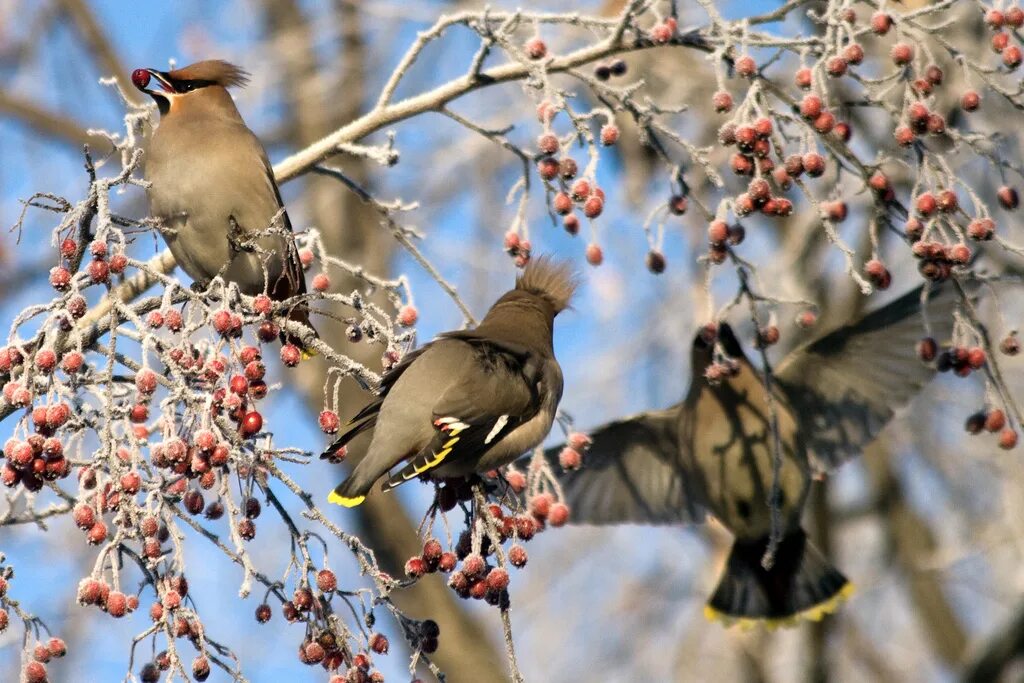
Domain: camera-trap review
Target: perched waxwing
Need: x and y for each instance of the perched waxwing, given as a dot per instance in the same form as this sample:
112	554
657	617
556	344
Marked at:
213	188
712	453
469	401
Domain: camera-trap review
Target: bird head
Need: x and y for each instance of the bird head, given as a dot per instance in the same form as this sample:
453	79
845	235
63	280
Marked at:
714	344
200	84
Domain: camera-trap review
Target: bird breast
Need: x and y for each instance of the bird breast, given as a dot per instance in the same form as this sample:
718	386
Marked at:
732	446
202	178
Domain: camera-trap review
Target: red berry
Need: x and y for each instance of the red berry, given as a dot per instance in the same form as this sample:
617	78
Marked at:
321	282
68	247
594	255
580	190
98	271
803	78
97	533
825	122
35	672
1007	439
609	134
547	168
811	107
926	204
252	423
118	262
536	49
661	33
970	101
1012	58
853	53
881	23
559	514
60	278
290	355
722	101
837	66
547	144
995	420
902	53
247	529
904	136
329	421
57	647
379	643
1007	197
517	556
415	567
746	66
994	18
117	604
562	204
814	164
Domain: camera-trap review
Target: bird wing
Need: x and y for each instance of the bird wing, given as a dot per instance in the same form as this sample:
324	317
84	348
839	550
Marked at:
292	282
367	416
498	389
633	472
845	386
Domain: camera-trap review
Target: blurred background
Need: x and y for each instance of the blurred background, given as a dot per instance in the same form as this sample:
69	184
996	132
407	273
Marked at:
928	524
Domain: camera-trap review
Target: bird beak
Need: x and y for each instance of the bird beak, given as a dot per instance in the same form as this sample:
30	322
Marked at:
143	78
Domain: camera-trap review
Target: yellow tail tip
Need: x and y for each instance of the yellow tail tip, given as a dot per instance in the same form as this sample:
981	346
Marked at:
812	613
344	501
309	353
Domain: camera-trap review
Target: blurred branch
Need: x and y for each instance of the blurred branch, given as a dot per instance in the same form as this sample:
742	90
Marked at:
99	46
913	542
1002	649
50	124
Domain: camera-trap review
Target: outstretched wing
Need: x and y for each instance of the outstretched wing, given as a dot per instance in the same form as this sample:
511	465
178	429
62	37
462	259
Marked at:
845	386
633	472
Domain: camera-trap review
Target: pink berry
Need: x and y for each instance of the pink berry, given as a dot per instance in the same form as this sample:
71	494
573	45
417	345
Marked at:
329	421
407	315
321	282
594	255
536	48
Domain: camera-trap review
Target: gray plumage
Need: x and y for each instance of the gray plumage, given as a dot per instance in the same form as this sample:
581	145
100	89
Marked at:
712	453
472	400
213	188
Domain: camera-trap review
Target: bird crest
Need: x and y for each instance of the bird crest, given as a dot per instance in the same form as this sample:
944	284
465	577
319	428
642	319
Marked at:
555	281
215	71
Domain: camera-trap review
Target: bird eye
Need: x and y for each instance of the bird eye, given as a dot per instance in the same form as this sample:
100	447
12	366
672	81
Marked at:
187	86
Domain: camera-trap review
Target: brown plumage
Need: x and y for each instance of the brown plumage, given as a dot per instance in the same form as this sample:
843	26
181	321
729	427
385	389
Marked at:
469	401
213	188
712	453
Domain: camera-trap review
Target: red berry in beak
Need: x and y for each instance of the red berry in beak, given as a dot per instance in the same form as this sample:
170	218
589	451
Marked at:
140	77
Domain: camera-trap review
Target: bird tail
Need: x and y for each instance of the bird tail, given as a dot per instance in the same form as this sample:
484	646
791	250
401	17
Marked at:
300	314
352	492
800	585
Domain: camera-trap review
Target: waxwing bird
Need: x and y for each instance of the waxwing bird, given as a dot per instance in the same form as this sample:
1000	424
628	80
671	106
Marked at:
213	188
712	453
469	401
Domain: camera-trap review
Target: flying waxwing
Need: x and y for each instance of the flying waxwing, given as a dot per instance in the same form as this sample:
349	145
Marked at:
712	453
213	188
469	401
